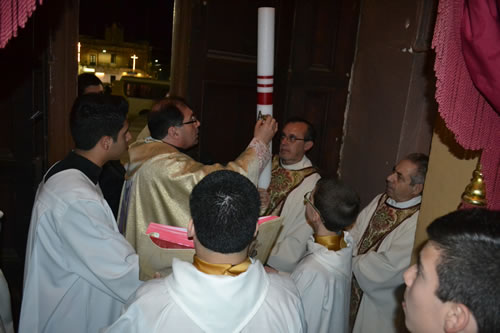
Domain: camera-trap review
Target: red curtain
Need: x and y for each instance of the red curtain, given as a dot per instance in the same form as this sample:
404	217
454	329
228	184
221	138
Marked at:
467	45
13	15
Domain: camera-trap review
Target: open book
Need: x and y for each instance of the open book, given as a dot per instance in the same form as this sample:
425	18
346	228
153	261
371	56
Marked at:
164	243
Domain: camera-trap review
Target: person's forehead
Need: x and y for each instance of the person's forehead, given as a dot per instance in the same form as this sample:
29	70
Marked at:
295	128
406	167
429	256
186	111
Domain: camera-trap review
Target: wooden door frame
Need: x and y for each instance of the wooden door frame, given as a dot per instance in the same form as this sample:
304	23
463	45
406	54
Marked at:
63	74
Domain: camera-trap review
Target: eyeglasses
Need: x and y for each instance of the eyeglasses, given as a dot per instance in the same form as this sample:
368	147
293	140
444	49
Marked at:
307	200
291	138
193	120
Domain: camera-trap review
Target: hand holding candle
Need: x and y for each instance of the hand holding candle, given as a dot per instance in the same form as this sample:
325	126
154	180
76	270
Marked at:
265	129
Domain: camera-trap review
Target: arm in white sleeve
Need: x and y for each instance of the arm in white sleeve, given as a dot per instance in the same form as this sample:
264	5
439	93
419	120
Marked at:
97	251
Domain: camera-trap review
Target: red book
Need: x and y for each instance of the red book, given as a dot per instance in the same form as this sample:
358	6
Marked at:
169	237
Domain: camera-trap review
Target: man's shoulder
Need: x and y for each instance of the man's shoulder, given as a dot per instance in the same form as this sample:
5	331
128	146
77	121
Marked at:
152	289
282	285
372	205
71	184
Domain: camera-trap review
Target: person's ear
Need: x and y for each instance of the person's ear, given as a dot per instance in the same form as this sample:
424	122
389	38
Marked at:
457	318
315	219
172	132
190	229
105	142
308	145
417	189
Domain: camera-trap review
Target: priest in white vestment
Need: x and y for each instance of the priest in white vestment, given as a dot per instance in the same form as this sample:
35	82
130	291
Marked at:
323	276
223	290
383	234
79	269
292	176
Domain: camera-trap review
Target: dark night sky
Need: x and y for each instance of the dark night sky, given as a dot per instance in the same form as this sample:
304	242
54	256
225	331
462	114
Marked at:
141	20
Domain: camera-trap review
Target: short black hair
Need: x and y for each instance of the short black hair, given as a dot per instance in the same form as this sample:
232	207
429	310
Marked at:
86	80
225	209
468	267
337	203
94	116
421	161
165	114
310	133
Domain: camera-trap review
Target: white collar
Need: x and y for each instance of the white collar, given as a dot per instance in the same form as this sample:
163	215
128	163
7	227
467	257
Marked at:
187	285
303	163
405	204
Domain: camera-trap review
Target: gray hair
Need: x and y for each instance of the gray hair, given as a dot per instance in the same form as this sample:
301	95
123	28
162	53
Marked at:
421	161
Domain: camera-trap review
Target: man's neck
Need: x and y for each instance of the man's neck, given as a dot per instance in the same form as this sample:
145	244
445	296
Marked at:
221	258
91	156
404	204
292	165
321	230
173	143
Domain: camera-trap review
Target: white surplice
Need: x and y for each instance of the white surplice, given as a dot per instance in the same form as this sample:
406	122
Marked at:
191	301
291	243
380	273
323	278
79	269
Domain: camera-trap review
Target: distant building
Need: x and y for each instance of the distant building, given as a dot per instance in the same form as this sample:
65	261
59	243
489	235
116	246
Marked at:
112	57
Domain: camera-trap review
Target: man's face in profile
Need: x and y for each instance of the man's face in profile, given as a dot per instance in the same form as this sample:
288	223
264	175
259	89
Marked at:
424	311
398	183
189	129
121	144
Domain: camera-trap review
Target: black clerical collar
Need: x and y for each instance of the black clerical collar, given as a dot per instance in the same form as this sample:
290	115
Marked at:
75	161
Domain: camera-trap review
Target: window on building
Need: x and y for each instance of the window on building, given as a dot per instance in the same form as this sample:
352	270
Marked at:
113	58
93	59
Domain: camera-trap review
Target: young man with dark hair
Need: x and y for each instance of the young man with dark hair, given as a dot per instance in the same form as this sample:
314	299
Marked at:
454	287
323	276
160	176
88	83
223	290
112	174
79	269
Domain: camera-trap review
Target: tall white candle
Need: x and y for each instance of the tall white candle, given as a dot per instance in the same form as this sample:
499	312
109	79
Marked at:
265	75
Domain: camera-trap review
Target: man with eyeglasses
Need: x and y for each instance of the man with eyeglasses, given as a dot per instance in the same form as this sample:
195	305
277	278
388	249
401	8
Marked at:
160	176
292	176
384	233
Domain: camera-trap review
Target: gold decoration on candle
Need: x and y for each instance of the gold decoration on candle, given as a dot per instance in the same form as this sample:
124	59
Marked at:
475	192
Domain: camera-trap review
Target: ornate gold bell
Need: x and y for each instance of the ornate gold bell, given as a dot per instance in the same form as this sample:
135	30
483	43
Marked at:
475	192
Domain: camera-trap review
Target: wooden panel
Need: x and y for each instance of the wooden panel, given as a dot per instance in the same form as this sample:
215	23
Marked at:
222	75
322	51
314	45
24	99
228	119
63	79
392	108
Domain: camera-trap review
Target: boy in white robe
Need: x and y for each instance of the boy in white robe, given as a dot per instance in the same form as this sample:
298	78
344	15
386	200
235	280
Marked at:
79	269
223	290
323	276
